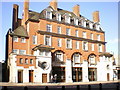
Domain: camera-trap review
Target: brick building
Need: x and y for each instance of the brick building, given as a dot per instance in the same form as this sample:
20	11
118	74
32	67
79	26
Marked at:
56	42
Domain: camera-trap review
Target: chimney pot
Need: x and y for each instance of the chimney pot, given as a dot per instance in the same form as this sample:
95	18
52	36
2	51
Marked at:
76	10
53	4
15	16
25	12
96	16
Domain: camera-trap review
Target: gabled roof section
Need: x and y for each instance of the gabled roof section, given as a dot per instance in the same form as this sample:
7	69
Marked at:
20	31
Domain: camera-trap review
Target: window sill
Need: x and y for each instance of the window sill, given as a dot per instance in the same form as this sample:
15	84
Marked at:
69	48
86	50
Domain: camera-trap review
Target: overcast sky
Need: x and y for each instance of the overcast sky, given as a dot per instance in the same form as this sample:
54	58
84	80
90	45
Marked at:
108	17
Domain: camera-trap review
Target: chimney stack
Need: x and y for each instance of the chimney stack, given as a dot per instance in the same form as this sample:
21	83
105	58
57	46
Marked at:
25	12
96	16
15	17
53	4
76	10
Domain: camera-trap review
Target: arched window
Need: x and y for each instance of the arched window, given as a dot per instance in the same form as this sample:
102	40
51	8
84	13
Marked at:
92	59
59	56
76	58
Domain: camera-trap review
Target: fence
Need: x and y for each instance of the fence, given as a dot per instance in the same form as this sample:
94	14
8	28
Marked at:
77	87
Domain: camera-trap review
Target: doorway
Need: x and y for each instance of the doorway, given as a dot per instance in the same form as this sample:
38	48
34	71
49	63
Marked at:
92	73
30	75
108	76
44	78
20	76
77	74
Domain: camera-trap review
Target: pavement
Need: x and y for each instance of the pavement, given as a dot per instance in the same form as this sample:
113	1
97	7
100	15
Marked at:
57	84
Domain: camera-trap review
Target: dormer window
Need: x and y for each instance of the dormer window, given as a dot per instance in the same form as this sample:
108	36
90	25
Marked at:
76	21
84	23
48	15
59	17
87	25
67	19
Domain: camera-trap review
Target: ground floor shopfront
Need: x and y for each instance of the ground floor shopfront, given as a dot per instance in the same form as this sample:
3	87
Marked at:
45	70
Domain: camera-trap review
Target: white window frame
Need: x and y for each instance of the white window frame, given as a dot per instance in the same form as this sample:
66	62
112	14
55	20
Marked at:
49	28
50	15
58	17
47	52
15	39
41	52
68	31
48	41
77	44
84	34
75	21
23	40
61	54
76	59
59	30
23	52
76	33
70	43
59	42
98	37
17	51
85	46
34	37
91	36
100	48
67	19
92	59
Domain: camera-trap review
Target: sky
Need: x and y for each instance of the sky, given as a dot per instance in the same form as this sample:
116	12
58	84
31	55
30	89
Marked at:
108	17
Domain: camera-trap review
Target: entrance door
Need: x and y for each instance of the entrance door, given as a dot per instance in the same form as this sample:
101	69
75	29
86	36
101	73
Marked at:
92	74
44	78
20	76
108	77
77	74
30	75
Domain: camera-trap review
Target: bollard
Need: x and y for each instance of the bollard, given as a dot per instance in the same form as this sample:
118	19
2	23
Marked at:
117	86
63	87
100	86
4	88
89	87
46	88
25	88
78	87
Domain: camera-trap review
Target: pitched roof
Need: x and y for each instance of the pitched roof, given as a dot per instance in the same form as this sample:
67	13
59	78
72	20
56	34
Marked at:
106	54
20	31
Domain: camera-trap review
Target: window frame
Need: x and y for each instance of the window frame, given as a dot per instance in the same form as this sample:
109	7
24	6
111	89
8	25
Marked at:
17	51
68	31
70	46
59	30
49	41
23	41
15	38
50	15
85	46
34	39
22	51
84	34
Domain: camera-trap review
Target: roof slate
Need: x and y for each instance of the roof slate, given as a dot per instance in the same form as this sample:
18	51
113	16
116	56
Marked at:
20	31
